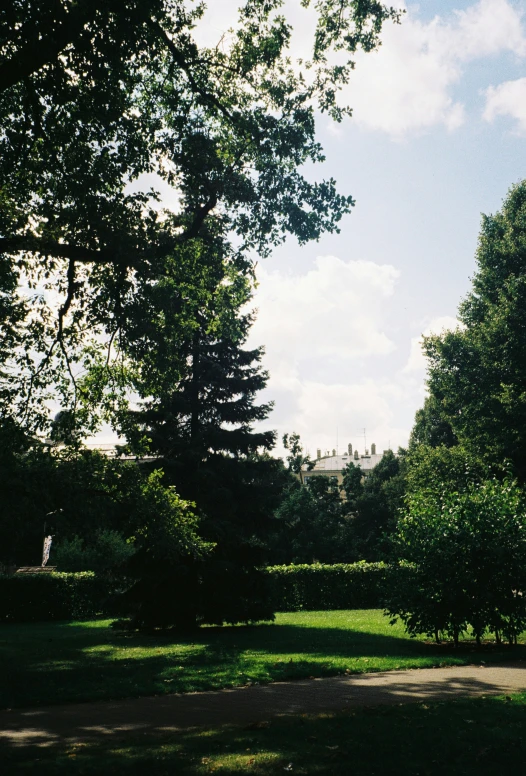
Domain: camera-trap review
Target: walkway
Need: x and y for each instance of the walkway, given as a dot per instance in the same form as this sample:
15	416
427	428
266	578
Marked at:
254	705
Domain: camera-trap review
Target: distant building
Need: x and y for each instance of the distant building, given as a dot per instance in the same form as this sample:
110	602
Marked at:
333	465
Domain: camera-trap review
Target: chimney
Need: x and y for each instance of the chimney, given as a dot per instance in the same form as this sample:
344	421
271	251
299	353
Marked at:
373	448
334	452
349	449
356	455
318	453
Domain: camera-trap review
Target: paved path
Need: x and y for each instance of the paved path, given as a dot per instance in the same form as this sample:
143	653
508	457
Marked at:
244	706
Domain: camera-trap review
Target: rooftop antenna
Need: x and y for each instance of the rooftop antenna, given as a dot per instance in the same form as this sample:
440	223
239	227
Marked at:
337	448
364	442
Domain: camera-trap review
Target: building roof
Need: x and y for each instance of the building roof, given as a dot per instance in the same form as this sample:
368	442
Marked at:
335	463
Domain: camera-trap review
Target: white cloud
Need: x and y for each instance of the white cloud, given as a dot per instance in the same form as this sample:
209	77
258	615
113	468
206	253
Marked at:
333	311
312	326
417	361
218	19
486	28
405	86
330	415
507	99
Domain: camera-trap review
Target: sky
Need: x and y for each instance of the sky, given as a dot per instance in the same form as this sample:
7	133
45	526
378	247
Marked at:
437	137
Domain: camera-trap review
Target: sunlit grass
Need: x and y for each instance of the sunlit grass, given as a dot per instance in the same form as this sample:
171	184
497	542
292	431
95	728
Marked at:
46	663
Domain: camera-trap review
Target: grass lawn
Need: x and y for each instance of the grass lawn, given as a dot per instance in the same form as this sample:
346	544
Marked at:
47	663
475	737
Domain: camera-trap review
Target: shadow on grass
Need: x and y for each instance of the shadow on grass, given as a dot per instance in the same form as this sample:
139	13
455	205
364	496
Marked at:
475	736
64	663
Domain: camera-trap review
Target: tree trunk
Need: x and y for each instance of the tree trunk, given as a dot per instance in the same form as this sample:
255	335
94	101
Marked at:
194	400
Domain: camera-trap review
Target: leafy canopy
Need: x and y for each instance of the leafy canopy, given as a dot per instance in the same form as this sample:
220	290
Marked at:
477	376
467	552
102	106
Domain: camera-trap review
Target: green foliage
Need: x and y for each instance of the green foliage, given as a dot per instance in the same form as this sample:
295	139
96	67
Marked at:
86	495
197	379
166	527
185	585
296	457
352	484
203	385
55	596
434	468
102	553
431	428
320	521
311	525
148	299
477	373
373	502
165	564
322	586
467	551
93	97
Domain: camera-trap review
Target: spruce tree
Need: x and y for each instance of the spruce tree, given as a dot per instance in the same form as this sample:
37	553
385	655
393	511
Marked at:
201	384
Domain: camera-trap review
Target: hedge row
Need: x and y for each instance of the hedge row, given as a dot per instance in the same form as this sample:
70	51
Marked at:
56	596
59	596
337	586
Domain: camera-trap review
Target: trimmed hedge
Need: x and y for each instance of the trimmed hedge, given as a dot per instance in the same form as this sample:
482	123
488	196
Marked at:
56	596
61	596
338	586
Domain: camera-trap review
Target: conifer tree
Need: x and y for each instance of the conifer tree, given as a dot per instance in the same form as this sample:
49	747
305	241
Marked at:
200	385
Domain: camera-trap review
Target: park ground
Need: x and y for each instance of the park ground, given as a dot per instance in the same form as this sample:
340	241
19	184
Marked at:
50	663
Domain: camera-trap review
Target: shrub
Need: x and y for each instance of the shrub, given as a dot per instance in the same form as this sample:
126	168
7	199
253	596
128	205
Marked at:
106	552
337	586
56	596
468	551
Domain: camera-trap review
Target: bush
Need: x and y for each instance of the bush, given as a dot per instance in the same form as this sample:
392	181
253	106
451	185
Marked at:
337	586
56	596
468	554
106	552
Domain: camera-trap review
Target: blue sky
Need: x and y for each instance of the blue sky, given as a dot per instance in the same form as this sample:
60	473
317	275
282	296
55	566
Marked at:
437	137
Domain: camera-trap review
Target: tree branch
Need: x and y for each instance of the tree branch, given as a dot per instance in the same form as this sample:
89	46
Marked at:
199	218
181	62
69	298
39	52
33	244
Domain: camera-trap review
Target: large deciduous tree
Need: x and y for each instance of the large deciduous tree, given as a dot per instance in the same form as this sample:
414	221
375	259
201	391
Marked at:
430	427
93	98
477	373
